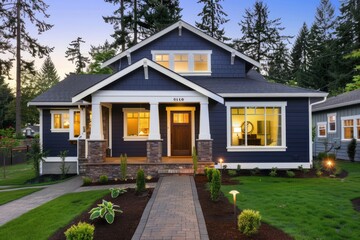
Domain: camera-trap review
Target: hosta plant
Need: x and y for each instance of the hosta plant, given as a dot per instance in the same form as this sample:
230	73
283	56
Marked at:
115	192
105	210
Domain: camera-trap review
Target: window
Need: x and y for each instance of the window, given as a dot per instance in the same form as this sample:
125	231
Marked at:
350	127
136	123
331	122
185	62
76	124
60	121
256	126
321	129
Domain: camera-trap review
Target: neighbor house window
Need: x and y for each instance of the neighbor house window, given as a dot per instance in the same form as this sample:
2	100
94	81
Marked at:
185	62
331	122
60	121
256	126
350	127
136	123
321	129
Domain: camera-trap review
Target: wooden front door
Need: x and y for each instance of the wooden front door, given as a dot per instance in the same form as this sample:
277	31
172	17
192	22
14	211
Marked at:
180	133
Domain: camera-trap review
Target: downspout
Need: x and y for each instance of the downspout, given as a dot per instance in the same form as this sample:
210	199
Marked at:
310	128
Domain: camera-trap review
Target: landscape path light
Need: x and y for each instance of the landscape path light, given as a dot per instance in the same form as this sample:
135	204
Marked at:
234	193
221	166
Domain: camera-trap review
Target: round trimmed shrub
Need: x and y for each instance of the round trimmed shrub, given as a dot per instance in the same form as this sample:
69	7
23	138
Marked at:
249	222
81	231
87	181
103	179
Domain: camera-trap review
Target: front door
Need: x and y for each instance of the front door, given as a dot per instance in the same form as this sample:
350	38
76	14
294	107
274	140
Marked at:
180	133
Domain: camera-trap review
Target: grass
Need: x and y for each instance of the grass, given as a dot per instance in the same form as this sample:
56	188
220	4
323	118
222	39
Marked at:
318	208
9	196
16	174
42	222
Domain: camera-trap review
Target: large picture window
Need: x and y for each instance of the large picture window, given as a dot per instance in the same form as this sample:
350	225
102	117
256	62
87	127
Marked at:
256	125
136	123
350	127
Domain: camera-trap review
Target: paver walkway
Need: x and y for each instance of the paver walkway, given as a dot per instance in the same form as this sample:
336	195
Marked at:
18	207
173	212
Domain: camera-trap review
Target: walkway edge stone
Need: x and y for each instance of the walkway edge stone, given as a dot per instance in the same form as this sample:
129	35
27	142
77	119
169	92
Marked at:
144	218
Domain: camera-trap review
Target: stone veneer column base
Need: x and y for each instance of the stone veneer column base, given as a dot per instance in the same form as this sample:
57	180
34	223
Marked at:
96	151
154	151
81	148
204	150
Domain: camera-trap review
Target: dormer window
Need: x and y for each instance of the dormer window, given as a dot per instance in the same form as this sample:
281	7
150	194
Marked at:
185	62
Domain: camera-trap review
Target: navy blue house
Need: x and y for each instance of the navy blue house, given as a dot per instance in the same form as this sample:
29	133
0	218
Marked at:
174	91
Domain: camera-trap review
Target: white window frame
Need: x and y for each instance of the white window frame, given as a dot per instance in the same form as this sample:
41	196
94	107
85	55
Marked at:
354	118
318	129
133	110
55	130
190	54
328	122
71	119
231	148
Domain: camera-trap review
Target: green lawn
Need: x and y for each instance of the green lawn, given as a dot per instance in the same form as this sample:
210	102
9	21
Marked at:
9	196
42	222
16	174
318	208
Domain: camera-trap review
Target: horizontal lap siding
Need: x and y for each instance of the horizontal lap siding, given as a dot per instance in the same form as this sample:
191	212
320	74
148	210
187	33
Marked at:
297	134
54	143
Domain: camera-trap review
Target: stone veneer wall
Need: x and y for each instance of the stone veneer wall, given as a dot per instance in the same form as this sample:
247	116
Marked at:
204	150
81	148
154	151
97	151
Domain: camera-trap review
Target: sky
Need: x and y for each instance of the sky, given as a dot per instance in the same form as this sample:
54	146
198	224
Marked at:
83	18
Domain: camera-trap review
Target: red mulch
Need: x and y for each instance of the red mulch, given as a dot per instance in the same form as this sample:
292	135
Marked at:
124	225
118	181
356	204
220	219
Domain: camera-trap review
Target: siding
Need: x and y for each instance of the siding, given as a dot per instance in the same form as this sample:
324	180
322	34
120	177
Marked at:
53	143
220	58
321	116
297	134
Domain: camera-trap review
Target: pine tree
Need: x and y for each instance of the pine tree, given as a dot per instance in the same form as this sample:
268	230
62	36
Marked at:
99	55
15	16
73	53
47	76
212	17
279	68
355	84
6	97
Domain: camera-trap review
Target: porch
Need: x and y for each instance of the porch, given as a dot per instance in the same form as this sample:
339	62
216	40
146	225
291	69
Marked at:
143	160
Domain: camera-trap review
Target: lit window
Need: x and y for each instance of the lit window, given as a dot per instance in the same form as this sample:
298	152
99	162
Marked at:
358	128
321	129
76	123
332	122
136	123
60	121
348	126
201	62
181	118
181	63
162	59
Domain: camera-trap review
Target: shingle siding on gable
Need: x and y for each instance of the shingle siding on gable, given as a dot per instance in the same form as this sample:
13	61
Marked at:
136	81
220	58
297	134
53	143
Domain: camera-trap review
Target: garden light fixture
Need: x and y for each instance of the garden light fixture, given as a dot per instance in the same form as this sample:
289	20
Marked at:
234	193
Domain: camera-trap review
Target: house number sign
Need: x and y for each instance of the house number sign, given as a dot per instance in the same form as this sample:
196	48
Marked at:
178	99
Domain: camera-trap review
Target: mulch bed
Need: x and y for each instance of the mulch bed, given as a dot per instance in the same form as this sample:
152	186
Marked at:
48	178
220	220
118	181
356	204
124	225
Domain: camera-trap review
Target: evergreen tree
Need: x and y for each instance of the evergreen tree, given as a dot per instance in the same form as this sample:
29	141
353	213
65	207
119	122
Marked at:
212	17
279	68
99	55
15	16
261	36
355	84
47	76
6	97
73	53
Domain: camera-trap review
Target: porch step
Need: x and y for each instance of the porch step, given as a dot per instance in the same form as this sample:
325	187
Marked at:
181	171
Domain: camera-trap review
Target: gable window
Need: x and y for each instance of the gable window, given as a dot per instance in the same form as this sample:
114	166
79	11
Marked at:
136	124
256	125
350	127
331	122
194	62
60	121
321	129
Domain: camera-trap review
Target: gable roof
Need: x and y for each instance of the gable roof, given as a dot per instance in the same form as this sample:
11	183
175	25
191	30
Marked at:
181	24
345	99
146	63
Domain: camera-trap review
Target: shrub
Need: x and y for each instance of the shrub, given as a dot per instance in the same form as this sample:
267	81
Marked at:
195	160
140	181
64	170
338	170
103	179
115	192
209	174
351	149
273	172
255	171
35	156
238	169
215	185
86	181
302	169
319	173
322	155
232	173
81	231
249	222
205	171
123	167
105	210
290	173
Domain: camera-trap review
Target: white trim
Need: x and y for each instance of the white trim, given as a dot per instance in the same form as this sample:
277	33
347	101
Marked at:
168	125
133	138
110	129
328	122
83	103
318	124
58	159
354	118
260	165
155	66
41	137
289	94
59	130
181	24
71	120
231	148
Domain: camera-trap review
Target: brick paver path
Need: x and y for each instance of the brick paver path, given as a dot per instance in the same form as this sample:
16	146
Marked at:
173	212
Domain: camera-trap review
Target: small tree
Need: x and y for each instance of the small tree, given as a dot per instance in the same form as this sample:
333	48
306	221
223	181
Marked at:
35	156
215	185
7	143
195	160
140	181
351	150
63	168
123	166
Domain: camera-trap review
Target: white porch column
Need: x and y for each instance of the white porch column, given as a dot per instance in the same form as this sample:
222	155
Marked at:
96	122
154	132
204	126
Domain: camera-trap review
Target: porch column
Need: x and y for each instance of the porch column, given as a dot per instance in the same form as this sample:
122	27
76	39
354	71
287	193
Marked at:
96	128
204	143
154	143
96	144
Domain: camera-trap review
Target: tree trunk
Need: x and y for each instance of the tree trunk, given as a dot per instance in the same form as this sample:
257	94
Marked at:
135	23
122	25
18	69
